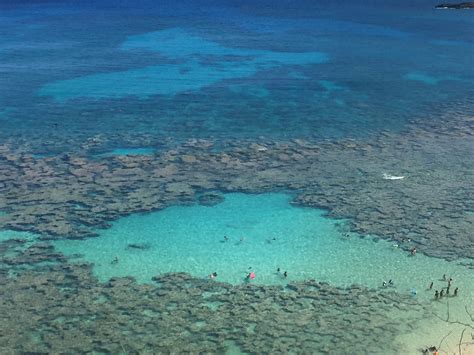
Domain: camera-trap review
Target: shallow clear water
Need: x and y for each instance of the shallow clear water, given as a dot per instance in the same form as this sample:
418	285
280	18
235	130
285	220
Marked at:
276	234
127	151
265	232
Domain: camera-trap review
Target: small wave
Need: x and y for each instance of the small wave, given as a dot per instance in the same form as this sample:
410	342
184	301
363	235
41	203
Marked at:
392	177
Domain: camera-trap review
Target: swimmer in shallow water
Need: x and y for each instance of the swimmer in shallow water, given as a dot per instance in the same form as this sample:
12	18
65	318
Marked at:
431	285
285	274
213	275
251	276
456	291
116	260
436	294
413	251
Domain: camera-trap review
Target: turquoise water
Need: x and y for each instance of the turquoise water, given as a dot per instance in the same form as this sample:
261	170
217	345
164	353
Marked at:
312	68
264	232
428	79
9	234
128	151
194	70
142	73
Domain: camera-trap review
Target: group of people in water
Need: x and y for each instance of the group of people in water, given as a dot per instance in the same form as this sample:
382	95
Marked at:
442	293
445	291
226	239
431	349
251	274
386	284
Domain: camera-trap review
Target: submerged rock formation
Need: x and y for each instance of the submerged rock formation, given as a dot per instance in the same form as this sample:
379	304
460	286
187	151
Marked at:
57	198
60	306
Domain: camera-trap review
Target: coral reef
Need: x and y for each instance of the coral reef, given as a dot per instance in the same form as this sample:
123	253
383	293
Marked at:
47	308
71	195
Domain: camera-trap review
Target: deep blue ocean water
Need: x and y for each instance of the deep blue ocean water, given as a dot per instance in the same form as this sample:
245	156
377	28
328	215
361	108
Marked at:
229	68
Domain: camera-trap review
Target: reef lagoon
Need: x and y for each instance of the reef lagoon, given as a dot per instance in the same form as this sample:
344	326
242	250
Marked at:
324	149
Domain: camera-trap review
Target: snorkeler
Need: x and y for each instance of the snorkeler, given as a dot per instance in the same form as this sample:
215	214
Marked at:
116	260
384	284
213	275
431	285
390	282
251	275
